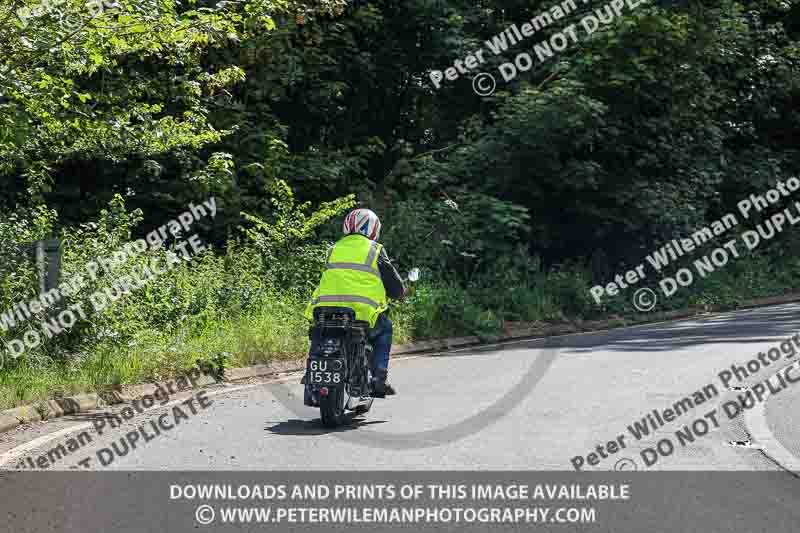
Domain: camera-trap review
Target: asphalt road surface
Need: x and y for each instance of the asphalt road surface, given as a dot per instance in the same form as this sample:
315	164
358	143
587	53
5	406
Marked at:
533	405
783	420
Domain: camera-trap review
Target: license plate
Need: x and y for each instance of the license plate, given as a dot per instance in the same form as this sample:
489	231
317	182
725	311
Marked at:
327	372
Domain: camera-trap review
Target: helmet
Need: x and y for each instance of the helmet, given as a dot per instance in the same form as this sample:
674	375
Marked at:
363	221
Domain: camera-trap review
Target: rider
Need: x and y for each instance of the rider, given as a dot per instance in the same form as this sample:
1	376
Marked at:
360	275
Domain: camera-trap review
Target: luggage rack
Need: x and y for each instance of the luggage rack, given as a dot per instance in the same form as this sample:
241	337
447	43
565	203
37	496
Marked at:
339	318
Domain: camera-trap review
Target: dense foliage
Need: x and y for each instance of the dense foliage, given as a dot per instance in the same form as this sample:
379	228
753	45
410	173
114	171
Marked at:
115	115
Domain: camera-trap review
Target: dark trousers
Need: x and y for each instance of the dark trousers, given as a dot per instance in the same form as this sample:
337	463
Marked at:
381	337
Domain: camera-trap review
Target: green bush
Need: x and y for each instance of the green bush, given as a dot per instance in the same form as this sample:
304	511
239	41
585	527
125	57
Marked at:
293	261
18	230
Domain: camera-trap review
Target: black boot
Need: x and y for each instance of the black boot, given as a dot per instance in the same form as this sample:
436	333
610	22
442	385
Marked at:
380	388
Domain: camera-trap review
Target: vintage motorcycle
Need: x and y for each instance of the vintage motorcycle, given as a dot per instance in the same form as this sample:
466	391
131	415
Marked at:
338	376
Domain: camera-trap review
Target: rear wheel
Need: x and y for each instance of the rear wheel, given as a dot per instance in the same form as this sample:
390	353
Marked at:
331	408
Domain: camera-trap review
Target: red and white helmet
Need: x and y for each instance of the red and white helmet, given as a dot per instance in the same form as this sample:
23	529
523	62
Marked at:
363	221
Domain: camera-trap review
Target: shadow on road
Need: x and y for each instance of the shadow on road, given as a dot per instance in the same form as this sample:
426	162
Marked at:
314	427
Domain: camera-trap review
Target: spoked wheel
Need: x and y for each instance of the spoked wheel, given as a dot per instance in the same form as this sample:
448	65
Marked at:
331	408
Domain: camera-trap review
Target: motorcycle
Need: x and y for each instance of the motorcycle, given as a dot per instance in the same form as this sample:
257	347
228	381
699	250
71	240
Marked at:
338	376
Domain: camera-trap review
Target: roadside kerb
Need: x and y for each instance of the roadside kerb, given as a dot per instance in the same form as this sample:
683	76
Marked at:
58	407
755	424
82	403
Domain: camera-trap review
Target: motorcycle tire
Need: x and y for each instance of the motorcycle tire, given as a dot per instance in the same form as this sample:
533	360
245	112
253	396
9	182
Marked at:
331	409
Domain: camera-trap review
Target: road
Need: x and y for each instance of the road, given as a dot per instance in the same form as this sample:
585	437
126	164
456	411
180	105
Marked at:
533	405
782	418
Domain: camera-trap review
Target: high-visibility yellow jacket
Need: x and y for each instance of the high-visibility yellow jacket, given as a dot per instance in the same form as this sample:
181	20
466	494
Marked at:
352	279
